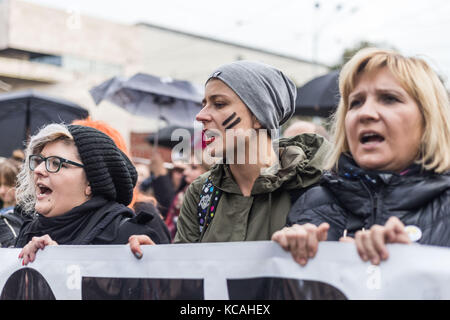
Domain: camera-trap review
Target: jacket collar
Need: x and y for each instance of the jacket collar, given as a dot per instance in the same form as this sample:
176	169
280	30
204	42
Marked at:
348	169
409	190
301	161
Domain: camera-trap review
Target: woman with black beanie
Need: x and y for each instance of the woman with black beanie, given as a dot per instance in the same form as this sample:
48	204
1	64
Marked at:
78	184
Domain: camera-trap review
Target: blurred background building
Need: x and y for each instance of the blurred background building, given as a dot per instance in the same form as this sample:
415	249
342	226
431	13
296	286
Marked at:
65	54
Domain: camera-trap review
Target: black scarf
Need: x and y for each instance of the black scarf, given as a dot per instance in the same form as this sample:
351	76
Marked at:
95	221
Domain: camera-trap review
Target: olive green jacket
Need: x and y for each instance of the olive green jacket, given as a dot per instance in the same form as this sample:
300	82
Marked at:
257	217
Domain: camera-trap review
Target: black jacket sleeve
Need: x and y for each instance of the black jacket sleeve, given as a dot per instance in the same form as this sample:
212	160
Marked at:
148	222
10	224
318	205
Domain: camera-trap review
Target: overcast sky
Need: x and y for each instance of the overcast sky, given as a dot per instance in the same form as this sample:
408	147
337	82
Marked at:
293	26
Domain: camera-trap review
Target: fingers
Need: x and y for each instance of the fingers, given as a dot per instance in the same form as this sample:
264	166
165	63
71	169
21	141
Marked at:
371	244
135	246
378	239
40	242
297	237
135	242
287	238
301	240
359	245
46	241
369	248
280	238
396	232
346	239
28	252
323	231
312	240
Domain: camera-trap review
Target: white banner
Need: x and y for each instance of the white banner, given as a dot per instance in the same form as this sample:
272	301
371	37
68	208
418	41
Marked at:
222	271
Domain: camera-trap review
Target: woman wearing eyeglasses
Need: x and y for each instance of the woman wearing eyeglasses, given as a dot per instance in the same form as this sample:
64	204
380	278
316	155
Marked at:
78	183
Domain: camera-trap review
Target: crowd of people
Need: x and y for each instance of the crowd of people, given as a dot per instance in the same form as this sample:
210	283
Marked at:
379	177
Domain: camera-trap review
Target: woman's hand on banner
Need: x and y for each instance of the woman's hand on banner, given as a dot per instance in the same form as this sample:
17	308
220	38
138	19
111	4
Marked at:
135	242
302	240
28	253
371	244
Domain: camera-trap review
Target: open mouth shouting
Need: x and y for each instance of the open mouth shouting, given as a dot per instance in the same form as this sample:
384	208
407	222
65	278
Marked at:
42	191
209	136
370	138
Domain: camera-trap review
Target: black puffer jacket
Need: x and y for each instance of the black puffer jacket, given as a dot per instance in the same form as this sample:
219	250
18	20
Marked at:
10	223
354	199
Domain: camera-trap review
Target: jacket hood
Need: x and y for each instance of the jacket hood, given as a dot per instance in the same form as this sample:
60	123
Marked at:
301	165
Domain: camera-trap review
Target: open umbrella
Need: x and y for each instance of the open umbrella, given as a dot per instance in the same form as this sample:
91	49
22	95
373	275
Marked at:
22	113
318	97
164	136
174	101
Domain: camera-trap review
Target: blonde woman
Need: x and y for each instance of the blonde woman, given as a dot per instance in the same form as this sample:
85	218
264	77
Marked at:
388	180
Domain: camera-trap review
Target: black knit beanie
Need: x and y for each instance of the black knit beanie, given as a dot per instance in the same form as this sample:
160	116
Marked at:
109	171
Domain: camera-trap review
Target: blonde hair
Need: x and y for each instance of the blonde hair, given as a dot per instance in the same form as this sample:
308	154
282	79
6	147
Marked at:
25	190
423	85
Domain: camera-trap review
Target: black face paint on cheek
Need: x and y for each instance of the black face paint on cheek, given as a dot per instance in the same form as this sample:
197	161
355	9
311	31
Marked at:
235	122
229	119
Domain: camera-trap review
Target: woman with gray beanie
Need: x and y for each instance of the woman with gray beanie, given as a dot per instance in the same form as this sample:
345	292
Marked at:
248	194
77	183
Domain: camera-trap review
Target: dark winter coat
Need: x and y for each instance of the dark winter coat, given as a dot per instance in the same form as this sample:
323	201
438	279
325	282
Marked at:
97	221
163	190
352	199
10	223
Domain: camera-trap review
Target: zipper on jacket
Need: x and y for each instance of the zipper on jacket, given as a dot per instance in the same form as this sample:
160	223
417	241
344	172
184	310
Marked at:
375	208
374	203
10	227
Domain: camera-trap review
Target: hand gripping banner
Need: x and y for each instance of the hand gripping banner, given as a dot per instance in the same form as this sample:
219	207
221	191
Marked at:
224	271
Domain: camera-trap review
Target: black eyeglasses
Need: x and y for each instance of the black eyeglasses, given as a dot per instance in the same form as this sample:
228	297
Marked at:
52	163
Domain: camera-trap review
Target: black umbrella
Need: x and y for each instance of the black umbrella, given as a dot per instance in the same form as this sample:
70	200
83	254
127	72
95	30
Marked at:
174	101
23	113
318	97
164	136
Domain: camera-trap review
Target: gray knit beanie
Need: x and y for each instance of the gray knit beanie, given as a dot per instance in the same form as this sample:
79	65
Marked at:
109	171
265	90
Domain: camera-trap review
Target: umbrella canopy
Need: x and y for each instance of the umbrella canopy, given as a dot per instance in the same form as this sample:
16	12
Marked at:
164	136
175	101
318	97
23	113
